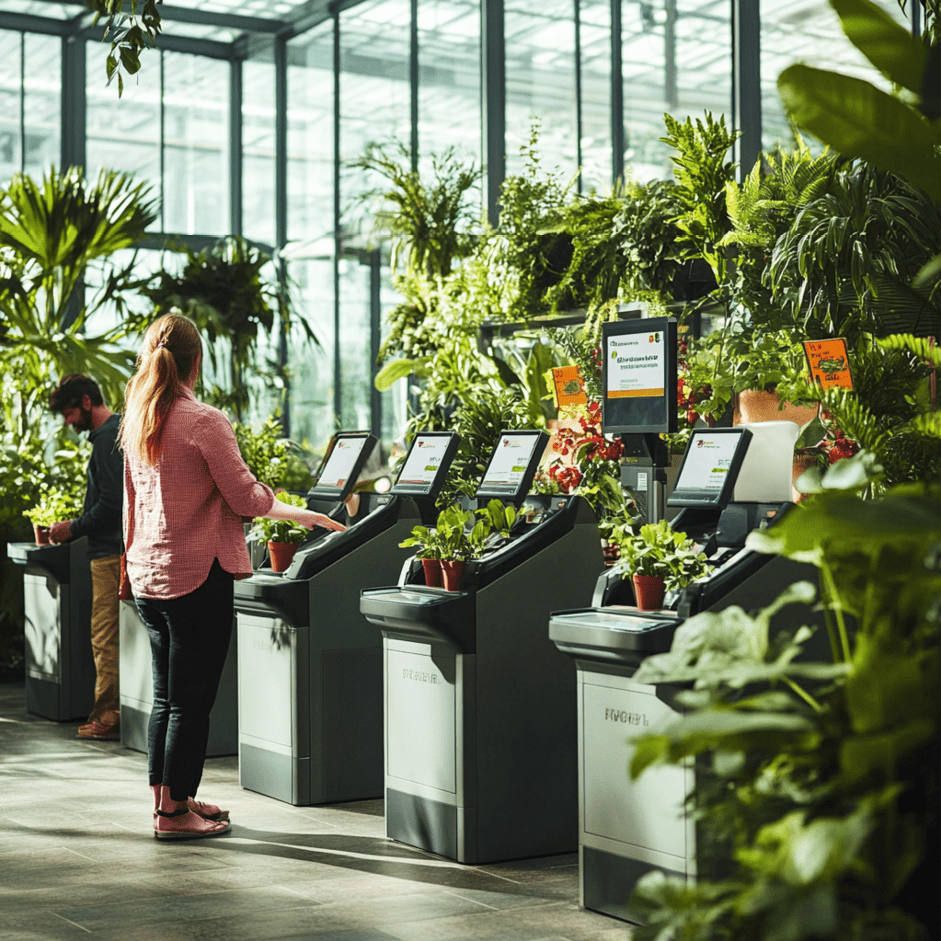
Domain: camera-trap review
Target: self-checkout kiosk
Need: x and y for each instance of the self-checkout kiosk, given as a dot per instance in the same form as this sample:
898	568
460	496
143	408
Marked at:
310	666
731	481
60	670
480	729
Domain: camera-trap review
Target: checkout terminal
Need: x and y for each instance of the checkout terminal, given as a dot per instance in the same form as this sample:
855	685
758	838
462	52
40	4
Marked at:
310	667
731	481
480	731
60	670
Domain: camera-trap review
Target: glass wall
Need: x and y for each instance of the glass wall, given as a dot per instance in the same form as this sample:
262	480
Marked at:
258	147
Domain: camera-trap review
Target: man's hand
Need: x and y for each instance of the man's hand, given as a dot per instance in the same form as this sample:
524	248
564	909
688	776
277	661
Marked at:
60	532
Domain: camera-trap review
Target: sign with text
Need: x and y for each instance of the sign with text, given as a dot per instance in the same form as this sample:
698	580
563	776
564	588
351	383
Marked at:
569	388
829	363
639	376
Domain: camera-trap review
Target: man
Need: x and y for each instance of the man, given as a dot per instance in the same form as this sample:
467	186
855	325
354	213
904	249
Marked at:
79	401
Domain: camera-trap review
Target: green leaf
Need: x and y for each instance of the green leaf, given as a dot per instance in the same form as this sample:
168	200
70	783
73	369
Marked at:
884	42
394	371
859	120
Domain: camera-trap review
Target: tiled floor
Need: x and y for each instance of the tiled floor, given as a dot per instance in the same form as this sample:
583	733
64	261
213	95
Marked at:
78	860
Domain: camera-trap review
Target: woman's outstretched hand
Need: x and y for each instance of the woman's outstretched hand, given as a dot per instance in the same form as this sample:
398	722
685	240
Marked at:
310	519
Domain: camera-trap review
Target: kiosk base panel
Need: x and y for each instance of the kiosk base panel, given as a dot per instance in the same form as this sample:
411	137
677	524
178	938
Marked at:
607	881
427	824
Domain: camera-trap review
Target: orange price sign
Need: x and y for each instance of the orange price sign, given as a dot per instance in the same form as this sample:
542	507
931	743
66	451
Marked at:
569	388
829	363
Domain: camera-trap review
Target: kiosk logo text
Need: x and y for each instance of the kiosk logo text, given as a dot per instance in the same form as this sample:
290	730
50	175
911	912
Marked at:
626	351
420	676
622	715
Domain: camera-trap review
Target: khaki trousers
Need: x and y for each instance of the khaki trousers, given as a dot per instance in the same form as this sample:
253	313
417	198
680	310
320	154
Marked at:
105	608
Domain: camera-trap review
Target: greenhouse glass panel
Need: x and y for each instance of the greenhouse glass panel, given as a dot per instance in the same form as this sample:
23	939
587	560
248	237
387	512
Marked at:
258	147
196	144
677	60
124	133
11	151
449	79
595	36
42	104
540	84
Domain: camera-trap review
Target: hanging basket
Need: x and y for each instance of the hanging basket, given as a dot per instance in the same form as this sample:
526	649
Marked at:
281	555
433	576
648	591
452	572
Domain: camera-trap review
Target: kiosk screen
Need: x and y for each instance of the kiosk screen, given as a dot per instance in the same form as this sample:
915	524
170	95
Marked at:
710	467
343	465
427	463
513	465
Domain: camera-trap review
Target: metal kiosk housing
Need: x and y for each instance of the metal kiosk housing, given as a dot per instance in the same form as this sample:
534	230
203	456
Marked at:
480	731
309	666
60	670
630	827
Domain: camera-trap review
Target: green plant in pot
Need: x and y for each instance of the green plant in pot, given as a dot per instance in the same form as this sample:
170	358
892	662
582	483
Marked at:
281	536
52	505
424	540
658	560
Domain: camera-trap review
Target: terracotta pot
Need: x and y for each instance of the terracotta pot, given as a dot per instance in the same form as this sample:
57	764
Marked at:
281	555
452	571
42	535
753	405
432	569
804	459
648	591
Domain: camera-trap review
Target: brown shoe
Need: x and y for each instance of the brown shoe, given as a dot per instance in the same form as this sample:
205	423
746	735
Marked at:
94	729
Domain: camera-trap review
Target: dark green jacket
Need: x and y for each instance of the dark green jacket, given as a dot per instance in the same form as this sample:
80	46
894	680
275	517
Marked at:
104	495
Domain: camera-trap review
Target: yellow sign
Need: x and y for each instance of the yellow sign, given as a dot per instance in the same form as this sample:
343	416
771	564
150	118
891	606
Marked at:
829	363
569	388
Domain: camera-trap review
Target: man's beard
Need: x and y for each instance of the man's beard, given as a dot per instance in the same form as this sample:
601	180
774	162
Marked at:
84	423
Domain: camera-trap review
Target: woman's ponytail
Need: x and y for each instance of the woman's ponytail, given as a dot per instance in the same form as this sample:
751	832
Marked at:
167	359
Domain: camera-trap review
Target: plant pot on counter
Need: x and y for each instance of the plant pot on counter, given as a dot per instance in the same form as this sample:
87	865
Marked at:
433	574
452	571
281	555
754	405
648	591
42	535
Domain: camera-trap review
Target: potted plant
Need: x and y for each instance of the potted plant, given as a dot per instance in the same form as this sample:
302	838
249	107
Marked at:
456	543
52	506
427	547
281	536
659	559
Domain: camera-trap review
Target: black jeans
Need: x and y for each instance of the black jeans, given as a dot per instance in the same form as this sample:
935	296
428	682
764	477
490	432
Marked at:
189	639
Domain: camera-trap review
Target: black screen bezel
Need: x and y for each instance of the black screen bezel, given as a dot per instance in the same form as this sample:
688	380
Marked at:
341	493
527	479
709	498
654	414
442	473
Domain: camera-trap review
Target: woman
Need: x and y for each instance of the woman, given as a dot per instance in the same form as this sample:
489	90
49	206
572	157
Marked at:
186	492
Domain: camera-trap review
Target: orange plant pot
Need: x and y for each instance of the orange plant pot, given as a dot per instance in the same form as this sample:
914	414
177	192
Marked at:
281	555
433	575
754	405
42	535
452	572
648	591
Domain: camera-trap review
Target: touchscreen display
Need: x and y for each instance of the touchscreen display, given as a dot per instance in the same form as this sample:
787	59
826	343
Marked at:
708	462
507	468
342	462
423	463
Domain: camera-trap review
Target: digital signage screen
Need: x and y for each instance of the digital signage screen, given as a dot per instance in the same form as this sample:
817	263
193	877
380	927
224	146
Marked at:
639	376
513	464
426	464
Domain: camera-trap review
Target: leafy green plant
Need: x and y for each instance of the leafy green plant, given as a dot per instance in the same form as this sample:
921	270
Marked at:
272	458
818	797
56	235
128	34
269	530
424	540
53	505
452	526
222	290
656	549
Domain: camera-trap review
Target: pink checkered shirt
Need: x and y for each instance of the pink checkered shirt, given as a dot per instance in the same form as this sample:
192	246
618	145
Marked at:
187	511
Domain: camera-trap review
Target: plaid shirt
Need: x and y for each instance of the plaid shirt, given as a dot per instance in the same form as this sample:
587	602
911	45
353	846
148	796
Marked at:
188	510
